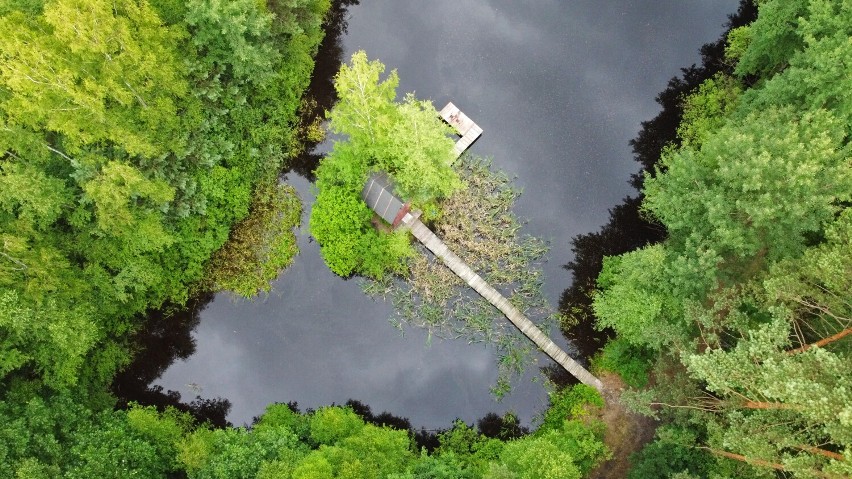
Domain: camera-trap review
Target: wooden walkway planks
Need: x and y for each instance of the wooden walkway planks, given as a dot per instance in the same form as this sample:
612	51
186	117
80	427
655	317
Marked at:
466	128
469	132
530	330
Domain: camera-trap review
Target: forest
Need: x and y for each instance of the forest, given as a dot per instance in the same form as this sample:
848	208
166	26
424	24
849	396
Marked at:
141	145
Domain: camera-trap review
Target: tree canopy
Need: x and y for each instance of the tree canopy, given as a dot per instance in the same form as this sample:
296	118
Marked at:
130	144
58	437
406	140
746	302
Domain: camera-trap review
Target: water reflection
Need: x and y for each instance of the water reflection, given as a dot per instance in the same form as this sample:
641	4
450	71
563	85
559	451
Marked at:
165	338
317	339
627	229
559	88
321	93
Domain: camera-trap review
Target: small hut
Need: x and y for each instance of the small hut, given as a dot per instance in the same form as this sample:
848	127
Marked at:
378	194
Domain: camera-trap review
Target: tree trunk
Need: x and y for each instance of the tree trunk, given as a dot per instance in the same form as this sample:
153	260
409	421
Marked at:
822	452
767	405
822	342
763	463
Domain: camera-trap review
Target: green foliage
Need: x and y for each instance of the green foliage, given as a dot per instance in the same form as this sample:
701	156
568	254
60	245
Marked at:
36	198
464	449
234	38
333	424
774	399
706	109
164	430
747	301
567	444
280	415
672	452
235	452
634	301
811	291
406	140
340	221
261	245
374	452
95	71
112	191
57	437
133	136
445	466
347	448
782	177
45	338
570	403
365	110
420	155
130	144
583	438
816	77
773	38
93	125
535	458
107	449
314	466
738	41
631	363
487	238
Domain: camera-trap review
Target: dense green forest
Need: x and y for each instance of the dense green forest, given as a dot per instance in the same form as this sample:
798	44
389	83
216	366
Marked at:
56	436
741	315
142	144
140	147
134	137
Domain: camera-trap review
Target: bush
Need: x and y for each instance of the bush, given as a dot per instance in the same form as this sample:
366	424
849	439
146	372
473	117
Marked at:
570	403
630	362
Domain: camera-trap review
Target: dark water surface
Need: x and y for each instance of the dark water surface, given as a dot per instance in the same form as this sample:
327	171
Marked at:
559	88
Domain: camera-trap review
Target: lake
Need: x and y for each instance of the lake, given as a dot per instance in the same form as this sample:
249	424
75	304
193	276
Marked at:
559	88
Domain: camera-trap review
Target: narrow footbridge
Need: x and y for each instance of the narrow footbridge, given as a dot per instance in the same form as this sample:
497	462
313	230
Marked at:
463	271
379	196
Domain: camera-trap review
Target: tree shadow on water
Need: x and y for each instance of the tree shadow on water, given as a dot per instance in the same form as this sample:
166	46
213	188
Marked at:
320	93
628	229
166	337
166	334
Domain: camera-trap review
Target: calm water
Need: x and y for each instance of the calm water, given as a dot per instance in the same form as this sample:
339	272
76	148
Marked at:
559	87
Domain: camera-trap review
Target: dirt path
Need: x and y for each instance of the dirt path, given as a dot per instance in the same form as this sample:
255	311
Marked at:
626	432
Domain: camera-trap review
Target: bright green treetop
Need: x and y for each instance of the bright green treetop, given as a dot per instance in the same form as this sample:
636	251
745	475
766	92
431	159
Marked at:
406	140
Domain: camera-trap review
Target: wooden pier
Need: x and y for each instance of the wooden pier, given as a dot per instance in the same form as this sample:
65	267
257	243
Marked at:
379	196
464	126
530	330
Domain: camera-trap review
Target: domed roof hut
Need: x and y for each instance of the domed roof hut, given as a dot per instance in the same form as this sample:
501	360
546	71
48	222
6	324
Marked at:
379	196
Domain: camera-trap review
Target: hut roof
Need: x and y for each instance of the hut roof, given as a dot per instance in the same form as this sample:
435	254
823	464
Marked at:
378	194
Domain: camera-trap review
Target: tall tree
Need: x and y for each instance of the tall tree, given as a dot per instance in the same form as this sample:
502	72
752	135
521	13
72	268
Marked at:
129	147
406	140
750	291
95	71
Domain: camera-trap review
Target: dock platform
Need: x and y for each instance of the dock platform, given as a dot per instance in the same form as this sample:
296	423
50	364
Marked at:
464	126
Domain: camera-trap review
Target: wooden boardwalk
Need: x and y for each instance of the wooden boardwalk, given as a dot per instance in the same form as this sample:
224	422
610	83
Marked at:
464	126
391	209
460	268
